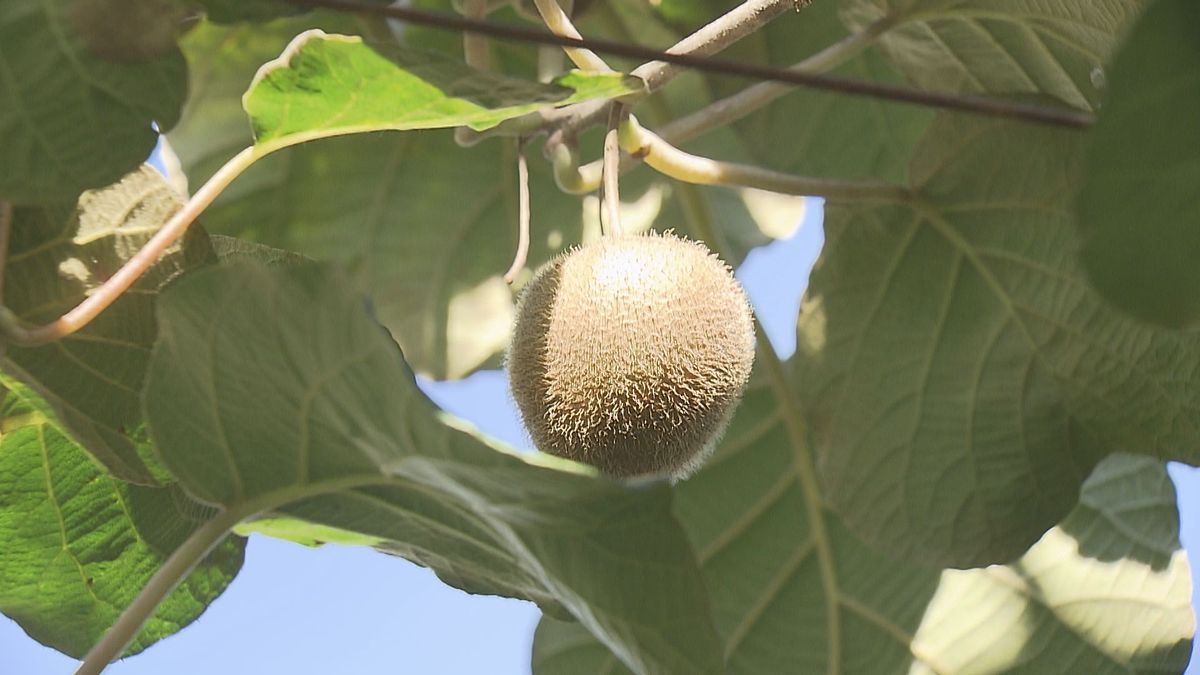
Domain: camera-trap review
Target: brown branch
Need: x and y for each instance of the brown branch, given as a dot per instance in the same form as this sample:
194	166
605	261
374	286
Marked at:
984	105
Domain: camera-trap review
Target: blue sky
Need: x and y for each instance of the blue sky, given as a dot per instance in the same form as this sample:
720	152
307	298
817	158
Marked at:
346	610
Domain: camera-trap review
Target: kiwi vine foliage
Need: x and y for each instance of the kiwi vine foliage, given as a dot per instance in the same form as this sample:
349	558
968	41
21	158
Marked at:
959	471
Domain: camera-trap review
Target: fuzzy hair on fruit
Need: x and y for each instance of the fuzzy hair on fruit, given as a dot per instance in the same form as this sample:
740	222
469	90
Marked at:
631	353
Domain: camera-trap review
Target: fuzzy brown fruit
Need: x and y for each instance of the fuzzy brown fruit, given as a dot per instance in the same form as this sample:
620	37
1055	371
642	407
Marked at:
631	353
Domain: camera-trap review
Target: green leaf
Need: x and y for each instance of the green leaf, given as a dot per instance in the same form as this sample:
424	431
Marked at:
71	120
326	85
961	376
93	378
1004	46
222	61
429	228
79	544
271	391
1106	591
1139	210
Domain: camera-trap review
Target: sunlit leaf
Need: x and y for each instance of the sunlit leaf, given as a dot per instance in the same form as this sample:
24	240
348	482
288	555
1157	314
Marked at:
271	390
79	544
1139	210
327	85
222	61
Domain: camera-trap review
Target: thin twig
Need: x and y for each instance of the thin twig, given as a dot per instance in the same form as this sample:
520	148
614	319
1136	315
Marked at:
984	105
560	24
612	169
523	214
711	38
690	168
134	268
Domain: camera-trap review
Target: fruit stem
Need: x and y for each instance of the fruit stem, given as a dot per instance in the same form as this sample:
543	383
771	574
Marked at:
523	214
612	169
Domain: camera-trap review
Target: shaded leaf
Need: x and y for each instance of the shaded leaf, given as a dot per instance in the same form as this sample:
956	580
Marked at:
129	30
271	390
57	95
962	376
1003	46
93	378
1097	594
79	544
326	85
1139	210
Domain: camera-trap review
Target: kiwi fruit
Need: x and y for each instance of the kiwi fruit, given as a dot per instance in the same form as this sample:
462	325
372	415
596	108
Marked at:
631	353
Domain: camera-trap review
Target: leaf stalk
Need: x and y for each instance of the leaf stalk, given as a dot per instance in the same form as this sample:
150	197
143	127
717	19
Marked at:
176	568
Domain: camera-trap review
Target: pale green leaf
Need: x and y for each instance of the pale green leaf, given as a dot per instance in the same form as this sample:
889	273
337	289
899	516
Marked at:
327	85
1106	591
962	377
71	120
222	61
270	390
92	379
79	544
1002	46
1139	210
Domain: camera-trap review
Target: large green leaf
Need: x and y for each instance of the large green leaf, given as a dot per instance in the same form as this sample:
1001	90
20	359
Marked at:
79	545
962	378
1106	591
93	378
69	119
1002	46
328	85
270	390
222	61
1139	210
